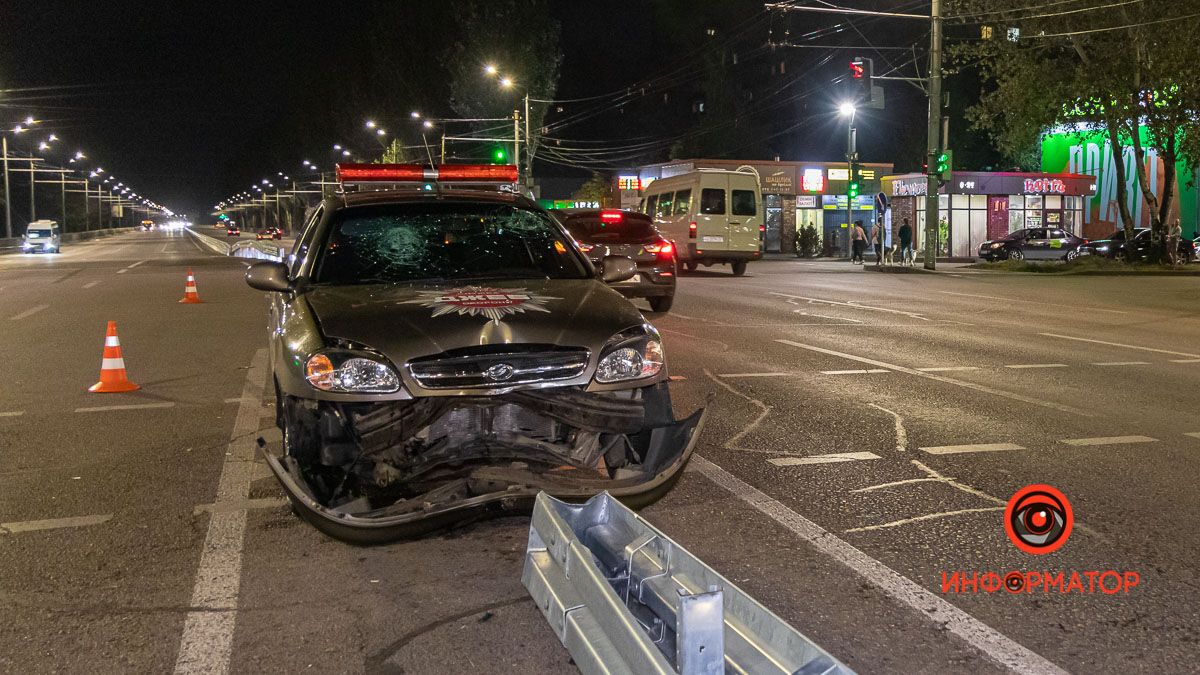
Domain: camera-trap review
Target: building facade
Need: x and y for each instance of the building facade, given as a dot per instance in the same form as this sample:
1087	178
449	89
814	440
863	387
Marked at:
795	195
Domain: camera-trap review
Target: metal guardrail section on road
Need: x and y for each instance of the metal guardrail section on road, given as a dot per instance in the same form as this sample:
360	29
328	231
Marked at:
623	598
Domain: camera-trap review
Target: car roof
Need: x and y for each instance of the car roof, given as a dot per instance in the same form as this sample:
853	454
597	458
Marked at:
595	213
414	195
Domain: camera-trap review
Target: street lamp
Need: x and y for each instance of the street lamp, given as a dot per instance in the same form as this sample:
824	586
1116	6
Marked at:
847	109
490	69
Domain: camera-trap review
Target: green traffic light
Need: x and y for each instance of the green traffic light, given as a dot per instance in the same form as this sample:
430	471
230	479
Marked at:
499	156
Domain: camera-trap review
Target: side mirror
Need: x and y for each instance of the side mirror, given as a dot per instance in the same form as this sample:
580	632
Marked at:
614	268
268	276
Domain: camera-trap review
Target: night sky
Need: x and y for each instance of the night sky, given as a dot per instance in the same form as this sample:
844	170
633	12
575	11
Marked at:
191	101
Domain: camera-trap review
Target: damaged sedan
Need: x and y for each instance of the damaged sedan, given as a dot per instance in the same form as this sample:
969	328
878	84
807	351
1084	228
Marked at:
441	351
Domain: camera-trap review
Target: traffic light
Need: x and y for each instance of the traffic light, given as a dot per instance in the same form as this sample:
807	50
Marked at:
854	186
861	71
499	155
945	164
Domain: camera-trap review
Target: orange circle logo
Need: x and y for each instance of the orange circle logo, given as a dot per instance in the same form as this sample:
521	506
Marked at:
1038	519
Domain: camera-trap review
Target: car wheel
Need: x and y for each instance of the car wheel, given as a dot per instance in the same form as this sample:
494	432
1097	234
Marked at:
1016	254
739	268
1072	255
690	266
662	303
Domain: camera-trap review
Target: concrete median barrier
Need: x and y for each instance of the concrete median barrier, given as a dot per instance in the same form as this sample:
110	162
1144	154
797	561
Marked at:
242	248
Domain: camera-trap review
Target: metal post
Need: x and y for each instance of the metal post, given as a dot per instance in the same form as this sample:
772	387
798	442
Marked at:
62	187
443	149
517	139
7	193
528	148
934	129
32	187
850	151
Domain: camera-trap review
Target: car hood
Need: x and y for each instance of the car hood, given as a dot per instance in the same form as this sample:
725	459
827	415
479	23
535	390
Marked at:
406	321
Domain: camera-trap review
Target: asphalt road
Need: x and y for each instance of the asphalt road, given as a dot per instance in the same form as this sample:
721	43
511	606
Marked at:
867	431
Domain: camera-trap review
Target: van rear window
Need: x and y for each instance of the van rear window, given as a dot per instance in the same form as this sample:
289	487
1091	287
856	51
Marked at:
712	201
743	203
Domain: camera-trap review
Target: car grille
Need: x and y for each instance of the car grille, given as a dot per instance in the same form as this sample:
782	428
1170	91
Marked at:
489	369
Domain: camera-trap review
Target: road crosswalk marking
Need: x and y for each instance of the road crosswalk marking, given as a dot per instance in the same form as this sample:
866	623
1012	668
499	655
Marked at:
1109	440
972	447
831	458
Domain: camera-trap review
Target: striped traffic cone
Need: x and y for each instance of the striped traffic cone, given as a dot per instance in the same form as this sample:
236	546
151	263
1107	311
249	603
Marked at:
190	295
112	367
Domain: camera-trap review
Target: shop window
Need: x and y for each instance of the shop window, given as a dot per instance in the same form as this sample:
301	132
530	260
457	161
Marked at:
1054	201
1071	221
1016	219
979	221
712	201
944	204
1033	202
960	201
743	203
683	201
979	202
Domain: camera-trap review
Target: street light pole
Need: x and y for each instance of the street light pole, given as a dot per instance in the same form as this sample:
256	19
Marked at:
7	193
528	149
932	140
517	137
850	152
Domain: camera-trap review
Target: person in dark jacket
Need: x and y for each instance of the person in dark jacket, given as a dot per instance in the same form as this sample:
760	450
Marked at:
906	249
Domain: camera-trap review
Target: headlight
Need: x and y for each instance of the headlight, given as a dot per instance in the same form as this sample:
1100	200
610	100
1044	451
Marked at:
631	355
1102	248
996	245
350	373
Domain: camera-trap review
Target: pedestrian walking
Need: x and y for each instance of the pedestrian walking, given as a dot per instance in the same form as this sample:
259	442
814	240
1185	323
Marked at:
1174	236
858	243
906	250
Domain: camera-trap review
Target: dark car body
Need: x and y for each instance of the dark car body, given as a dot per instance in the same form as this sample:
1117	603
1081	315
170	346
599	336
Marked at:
604	232
233	231
486	376
1137	249
1033	243
269	233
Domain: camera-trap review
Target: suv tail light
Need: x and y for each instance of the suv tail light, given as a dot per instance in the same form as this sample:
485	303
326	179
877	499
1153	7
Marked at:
661	248
611	216
586	248
692	230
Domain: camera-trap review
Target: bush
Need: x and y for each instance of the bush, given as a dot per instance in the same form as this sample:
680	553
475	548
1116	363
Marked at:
808	242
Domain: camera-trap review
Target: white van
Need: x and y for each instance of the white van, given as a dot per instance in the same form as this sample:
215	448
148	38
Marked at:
714	216
42	236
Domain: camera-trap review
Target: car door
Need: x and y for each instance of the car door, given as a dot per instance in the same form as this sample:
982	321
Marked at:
712	223
1037	244
745	216
1059	243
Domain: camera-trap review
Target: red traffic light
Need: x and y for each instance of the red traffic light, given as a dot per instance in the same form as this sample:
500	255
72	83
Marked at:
856	70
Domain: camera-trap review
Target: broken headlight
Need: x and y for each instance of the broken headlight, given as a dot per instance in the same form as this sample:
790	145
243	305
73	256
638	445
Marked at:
349	372
631	355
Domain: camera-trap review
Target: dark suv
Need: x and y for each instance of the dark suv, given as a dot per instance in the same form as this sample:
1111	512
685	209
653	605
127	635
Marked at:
604	232
1033	243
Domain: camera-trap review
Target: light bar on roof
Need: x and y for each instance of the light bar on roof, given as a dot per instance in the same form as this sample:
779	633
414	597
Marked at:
415	173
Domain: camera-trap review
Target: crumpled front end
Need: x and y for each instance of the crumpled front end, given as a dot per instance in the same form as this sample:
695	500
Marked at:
382	471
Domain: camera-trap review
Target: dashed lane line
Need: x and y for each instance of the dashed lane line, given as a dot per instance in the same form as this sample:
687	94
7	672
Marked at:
28	313
123	270
1031	302
1184	360
52	524
12	413
207	640
854	372
1109	440
995	645
757	374
941	378
1193	434
970	447
129	406
90	284
1121	363
832	458
948	369
1121	344
1029	366
854	305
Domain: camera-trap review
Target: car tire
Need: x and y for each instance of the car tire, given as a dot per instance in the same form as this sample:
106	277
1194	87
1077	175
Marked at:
739	268
1016	254
662	303
1072	255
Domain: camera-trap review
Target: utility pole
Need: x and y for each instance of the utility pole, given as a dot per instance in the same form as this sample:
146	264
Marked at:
933	143
7	193
516	117
528	149
851	155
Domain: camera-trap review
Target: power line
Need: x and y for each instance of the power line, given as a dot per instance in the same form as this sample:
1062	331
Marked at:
1112	28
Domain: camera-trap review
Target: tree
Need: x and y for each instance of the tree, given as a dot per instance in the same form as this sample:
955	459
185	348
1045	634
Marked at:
1127	72
597	189
520	39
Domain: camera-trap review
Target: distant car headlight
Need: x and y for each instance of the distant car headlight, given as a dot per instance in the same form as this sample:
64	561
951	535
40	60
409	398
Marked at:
348	372
631	355
996	245
1102	247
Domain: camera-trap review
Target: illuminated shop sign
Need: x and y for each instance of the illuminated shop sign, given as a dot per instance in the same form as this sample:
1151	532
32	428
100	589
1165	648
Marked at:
838	174
911	189
813	181
628	183
1045	185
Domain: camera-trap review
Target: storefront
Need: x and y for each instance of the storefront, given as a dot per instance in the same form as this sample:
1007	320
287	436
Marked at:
795	195
976	206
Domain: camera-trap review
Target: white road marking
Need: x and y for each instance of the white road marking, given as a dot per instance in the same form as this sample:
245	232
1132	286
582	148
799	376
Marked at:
757	374
928	516
855	305
1122	363
947	369
853	372
207	639
90	284
725	345
1032	302
241	505
995	645
235	399
123	270
1184	360
130	406
28	313
939	378
832	458
1109	440
52	524
901	433
972	447
12	413
1029	366
763	411
1121	344
881	486
1193	434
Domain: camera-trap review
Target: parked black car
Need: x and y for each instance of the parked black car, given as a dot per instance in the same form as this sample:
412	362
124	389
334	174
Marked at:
1033	243
602	232
1136	249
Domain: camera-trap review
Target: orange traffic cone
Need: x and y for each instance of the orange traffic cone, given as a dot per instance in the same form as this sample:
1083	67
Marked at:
112	367
190	296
